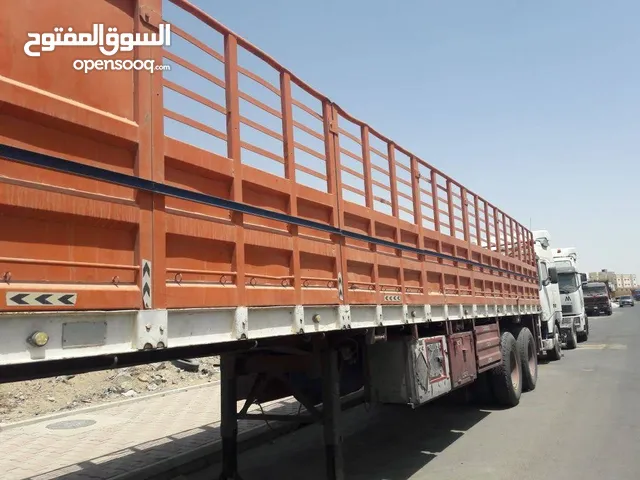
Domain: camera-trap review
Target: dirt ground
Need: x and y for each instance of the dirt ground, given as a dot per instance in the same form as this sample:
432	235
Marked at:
22	400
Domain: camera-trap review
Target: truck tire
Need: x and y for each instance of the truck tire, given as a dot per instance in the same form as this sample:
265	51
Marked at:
584	336
555	354
609	312
528	359
572	338
506	379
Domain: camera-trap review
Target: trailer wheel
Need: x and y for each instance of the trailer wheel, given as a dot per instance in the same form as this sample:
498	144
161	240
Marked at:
506	379
528	359
556	353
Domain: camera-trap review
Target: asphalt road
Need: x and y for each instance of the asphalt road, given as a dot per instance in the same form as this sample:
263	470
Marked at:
581	422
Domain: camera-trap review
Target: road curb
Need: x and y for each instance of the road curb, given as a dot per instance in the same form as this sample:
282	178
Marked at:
102	406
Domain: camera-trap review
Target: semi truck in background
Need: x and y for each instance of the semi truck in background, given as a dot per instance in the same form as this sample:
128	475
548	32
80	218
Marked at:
570	285
597	298
551	318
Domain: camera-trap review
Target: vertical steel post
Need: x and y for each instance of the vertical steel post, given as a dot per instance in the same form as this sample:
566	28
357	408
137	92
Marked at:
331	410
229	420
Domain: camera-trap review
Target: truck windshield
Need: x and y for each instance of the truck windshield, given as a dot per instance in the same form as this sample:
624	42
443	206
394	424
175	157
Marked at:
594	290
567	282
562	263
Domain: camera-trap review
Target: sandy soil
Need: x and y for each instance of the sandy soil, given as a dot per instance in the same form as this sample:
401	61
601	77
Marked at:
22	400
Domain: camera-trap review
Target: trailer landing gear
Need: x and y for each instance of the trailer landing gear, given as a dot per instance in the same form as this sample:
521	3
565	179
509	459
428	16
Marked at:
329	413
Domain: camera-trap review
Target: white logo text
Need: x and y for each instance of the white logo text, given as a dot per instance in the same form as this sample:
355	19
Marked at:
109	43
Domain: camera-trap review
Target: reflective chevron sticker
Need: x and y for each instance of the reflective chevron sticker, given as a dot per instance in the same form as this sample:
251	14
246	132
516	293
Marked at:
340	287
146	283
41	299
392	298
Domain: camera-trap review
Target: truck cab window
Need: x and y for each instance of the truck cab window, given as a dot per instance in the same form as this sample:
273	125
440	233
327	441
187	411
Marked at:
543	273
567	282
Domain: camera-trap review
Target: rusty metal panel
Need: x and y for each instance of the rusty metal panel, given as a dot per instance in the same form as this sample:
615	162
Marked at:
488	345
462	358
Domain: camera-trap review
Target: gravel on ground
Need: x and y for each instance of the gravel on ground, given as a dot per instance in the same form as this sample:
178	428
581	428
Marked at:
23	400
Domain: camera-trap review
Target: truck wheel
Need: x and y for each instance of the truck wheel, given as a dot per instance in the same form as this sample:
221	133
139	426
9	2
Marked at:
528	359
584	336
555	354
572	338
609	312
506	379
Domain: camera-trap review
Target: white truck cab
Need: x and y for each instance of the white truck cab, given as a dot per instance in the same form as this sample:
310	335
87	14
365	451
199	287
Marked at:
575	324
549	296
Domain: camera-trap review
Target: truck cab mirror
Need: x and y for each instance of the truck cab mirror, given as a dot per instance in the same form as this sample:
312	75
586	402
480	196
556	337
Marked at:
553	275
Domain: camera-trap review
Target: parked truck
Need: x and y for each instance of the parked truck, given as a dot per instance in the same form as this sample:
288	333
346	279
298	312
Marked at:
574	317
135	230
597	298
551	319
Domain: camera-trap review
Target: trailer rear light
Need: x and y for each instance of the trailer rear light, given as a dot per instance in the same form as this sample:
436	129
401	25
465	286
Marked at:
38	339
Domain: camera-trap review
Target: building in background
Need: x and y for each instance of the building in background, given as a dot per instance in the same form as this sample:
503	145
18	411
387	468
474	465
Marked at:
604	276
626	280
617	281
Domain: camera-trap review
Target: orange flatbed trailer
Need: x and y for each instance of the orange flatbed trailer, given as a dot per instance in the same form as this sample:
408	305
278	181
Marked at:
124	231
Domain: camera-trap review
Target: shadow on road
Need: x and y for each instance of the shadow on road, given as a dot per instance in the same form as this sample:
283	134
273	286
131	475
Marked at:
385	443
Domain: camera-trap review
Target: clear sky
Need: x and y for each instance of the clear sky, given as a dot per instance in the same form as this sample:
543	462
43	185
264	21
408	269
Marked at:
533	105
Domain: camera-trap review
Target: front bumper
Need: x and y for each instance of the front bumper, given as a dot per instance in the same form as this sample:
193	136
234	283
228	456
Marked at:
577	320
597	309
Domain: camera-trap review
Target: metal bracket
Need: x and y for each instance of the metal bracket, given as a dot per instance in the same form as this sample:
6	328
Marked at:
150	16
405	313
297	324
241	323
379	318
151	329
344	316
333	126
375	335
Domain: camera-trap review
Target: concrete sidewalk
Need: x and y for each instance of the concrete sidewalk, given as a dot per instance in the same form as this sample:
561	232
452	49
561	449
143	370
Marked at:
115	439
